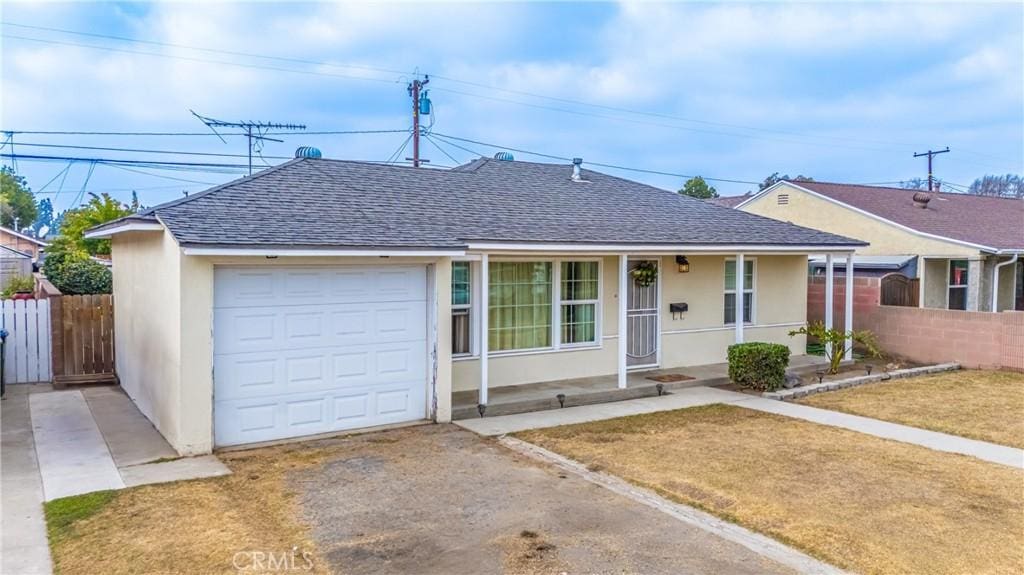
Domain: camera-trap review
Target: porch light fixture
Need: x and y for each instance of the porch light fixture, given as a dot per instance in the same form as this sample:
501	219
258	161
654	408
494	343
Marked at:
683	264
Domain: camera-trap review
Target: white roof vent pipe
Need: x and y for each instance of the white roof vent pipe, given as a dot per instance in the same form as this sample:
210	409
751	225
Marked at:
576	163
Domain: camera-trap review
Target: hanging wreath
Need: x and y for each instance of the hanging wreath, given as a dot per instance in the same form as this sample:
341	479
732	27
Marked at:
645	274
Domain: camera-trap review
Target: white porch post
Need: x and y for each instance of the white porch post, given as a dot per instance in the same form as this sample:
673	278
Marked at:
485	293
848	312
623	287
830	281
740	268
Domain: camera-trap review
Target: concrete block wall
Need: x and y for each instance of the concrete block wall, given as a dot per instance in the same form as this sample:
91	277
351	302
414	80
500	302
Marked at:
867	294
975	339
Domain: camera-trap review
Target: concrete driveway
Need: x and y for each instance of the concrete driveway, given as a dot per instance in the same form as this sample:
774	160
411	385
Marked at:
439	499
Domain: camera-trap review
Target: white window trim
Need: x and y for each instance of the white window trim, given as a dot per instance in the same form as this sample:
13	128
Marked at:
558	307
949	286
474	311
556	312
752	290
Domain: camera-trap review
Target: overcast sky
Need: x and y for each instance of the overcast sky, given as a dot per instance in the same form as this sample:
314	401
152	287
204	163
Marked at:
837	92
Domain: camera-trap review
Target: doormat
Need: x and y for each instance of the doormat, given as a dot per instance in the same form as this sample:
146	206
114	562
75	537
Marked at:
670	378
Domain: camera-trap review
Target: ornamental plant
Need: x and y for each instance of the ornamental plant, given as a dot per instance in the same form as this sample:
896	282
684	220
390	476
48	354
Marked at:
758	365
841	341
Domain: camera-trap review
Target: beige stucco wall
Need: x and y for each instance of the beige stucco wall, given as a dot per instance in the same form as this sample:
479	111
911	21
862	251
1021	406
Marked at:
164	338
147	328
885	239
1006	285
698	337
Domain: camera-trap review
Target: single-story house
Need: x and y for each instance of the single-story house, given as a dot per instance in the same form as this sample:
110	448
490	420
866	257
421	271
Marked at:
967	247
324	295
20	242
13	264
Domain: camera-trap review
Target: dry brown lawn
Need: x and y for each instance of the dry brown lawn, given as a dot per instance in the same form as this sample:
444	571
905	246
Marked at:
985	405
191	526
856	501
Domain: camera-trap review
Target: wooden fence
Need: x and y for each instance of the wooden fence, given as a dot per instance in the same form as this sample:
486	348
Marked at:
27	351
899	290
83	339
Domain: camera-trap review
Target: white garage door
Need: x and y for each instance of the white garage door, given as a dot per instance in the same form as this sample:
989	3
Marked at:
305	350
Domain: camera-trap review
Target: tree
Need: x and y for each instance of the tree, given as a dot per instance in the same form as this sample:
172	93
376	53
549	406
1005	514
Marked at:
837	342
776	178
44	216
915	184
696	187
99	210
17	203
1008	186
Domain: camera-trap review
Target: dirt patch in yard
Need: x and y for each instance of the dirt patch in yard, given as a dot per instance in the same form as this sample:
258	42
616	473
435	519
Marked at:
207	526
859	502
432	499
984	405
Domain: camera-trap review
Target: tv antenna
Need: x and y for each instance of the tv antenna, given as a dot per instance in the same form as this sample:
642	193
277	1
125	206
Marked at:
256	132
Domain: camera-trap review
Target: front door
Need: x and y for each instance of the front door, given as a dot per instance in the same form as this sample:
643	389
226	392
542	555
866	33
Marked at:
642	319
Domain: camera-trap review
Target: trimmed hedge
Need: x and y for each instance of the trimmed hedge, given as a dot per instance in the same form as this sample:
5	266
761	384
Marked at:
758	365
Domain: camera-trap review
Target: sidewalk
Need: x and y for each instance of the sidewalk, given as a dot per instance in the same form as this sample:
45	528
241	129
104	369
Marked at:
695	396
62	443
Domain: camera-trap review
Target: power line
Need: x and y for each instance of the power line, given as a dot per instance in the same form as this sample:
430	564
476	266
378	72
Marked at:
469	94
199	134
599	164
212	50
199	60
144	151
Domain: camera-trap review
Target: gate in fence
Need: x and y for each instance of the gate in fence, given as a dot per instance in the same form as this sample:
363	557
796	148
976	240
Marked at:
83	339
28	353
899	290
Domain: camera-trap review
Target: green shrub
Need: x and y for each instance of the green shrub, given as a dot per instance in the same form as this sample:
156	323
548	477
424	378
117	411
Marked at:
758	365
83	277
18	284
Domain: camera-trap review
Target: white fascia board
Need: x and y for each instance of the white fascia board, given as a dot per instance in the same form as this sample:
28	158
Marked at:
655	249
763	192
125	227
873	216
22	236
287	252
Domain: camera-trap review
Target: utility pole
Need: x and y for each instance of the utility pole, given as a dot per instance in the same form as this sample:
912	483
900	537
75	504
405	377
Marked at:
414	91
254	131
930	154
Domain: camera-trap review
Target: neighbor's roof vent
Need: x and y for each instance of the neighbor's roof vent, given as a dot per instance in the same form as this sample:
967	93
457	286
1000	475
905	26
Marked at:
921	199
504	156
308	152
576	163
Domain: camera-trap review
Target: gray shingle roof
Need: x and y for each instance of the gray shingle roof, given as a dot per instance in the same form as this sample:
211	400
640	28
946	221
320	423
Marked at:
340	204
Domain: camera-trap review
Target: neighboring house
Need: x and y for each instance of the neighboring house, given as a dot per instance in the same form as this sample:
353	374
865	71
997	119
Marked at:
13	264
729	201
21	243
967	247
324	295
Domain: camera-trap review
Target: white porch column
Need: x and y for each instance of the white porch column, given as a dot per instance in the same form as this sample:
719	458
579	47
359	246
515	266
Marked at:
848	312
740	268
623	335
830	281
485	305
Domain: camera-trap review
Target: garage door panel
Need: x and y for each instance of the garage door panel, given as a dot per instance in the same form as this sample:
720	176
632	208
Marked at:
243	330
242	421
296	285
259	375
307	350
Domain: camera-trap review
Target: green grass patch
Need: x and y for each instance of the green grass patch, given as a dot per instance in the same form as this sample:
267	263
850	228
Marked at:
63	513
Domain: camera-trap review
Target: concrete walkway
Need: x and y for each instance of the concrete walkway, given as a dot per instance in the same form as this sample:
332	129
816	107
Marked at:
691	397
61	443
22	528
73	457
